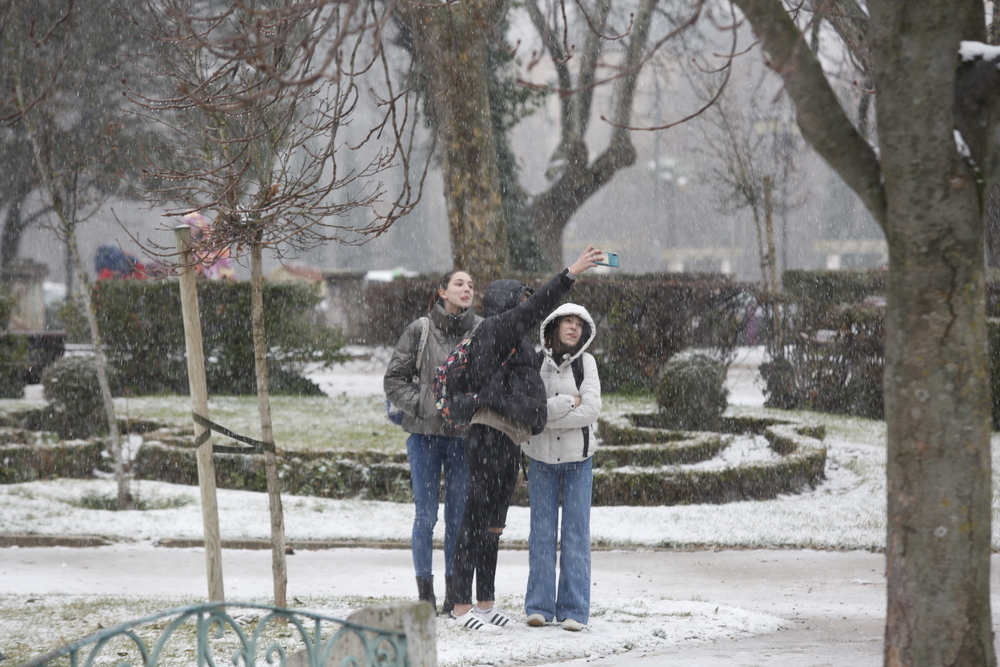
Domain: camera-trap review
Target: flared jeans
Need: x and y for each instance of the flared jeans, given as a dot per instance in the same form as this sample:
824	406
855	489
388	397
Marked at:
571	483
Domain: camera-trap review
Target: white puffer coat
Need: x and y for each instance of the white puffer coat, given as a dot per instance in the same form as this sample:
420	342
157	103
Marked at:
563	439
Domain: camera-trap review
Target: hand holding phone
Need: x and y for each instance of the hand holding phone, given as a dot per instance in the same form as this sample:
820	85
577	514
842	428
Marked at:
610	259
586	261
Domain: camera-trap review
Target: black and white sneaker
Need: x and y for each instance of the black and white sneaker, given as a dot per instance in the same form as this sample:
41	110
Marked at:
470	620
494	616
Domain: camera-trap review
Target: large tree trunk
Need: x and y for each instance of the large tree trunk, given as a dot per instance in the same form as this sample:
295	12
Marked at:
938	417
936	370
278	568
451	43
552	209
927	198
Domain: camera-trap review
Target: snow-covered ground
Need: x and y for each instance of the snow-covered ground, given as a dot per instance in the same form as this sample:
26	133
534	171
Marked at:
85	586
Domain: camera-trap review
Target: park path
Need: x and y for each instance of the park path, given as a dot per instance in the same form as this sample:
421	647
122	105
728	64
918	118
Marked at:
833	602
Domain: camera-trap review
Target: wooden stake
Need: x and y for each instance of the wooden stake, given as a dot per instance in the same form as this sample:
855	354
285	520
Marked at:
199	405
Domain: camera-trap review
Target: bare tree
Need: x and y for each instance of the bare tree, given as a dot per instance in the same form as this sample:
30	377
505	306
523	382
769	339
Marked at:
752	167
65	57
252	128
49	66
451	42
615	45
936	92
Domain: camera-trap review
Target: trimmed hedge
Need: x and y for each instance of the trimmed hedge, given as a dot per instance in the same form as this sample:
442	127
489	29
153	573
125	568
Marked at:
802	464
13	351
642	320
835	340
834	286
368	475
624	474
691	392
695	449
144	335
72	388
830	357
30	462
833	360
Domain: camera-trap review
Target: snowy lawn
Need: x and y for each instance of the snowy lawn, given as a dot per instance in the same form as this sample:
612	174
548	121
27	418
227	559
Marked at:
847	511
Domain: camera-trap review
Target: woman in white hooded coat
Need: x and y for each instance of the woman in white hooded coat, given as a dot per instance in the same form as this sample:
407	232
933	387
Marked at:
561	468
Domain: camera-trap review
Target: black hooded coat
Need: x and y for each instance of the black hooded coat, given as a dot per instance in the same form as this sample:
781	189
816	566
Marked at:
503	364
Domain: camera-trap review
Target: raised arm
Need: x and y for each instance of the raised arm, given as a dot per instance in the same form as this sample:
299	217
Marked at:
517	322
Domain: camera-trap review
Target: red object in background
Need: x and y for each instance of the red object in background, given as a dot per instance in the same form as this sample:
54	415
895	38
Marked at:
113	263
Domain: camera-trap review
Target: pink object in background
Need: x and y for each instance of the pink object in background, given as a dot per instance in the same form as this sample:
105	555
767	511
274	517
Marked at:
212	264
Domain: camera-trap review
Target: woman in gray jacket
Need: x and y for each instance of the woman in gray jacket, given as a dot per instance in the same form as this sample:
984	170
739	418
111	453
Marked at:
560	466
433	445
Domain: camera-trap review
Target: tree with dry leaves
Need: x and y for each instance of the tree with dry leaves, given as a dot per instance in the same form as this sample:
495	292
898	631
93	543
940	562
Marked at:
251	122
936	87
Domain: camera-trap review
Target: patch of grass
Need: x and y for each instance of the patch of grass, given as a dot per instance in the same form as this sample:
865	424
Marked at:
96	501
301	423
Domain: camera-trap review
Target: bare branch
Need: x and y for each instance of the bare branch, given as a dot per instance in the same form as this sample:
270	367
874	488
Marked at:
819	115
252	135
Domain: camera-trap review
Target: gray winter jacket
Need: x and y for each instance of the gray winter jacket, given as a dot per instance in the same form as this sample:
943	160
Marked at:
416	399
564	439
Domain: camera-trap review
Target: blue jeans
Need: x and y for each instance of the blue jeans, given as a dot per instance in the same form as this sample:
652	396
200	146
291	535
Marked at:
427	455
546	482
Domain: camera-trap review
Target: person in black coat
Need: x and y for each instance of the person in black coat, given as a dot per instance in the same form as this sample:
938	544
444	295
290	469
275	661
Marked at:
504	397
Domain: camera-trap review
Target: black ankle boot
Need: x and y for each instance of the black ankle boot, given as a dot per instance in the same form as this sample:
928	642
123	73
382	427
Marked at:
449	595
425	589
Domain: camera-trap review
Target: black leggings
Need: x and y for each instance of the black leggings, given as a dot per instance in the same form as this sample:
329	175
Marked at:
493	466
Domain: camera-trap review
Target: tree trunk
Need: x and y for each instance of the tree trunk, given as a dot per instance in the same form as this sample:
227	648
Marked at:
992	231
118	456
67	221
278	569
938	461
936	369
15	223
551	210
451	43
937	403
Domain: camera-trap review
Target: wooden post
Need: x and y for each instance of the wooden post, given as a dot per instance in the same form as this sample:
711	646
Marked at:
199	405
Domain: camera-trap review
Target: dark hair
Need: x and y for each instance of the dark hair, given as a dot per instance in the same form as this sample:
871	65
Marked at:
443	284
551	338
